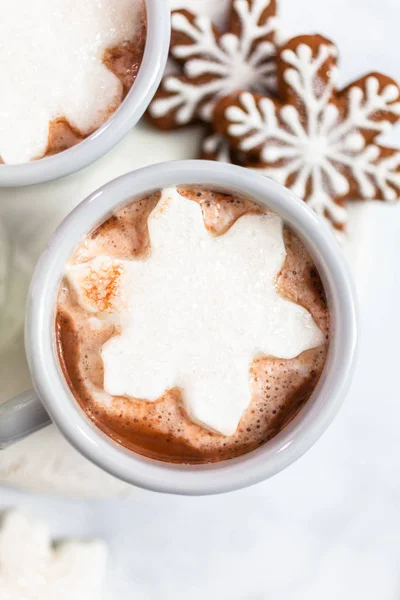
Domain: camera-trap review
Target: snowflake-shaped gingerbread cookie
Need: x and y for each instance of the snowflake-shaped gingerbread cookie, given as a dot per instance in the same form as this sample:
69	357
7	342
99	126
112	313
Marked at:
316	140
214	64
32	568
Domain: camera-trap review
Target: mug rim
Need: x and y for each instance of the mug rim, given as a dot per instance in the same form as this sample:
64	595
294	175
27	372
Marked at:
117	126
273	456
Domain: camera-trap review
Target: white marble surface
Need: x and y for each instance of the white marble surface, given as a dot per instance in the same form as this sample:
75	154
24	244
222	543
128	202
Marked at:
329	526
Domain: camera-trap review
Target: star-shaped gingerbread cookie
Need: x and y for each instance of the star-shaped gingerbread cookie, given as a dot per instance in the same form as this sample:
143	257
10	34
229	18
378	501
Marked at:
317	140
215	63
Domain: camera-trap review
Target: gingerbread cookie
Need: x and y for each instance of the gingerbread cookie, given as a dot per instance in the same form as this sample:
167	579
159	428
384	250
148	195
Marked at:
214	64
317	140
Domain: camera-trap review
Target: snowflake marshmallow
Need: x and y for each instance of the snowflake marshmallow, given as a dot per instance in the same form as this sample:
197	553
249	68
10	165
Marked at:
214	64
52	68
316	140
200	309
31	567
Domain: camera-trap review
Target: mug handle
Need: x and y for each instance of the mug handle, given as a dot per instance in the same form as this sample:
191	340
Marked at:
20	416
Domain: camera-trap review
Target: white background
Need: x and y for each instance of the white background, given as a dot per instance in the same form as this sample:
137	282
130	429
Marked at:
329	526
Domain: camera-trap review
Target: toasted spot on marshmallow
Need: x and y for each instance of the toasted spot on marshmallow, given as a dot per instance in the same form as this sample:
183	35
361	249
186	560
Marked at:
100	285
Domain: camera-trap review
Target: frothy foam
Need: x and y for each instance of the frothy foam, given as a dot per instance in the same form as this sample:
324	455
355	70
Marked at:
196	312
52	67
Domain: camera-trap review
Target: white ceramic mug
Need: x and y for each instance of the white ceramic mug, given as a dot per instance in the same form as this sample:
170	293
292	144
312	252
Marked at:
52	396
124	118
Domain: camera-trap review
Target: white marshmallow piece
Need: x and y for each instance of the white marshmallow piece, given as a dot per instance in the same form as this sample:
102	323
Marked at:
32	568
51	66
100	284
201	309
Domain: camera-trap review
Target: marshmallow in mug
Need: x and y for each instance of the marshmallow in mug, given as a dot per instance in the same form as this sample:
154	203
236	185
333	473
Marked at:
64	66
204	341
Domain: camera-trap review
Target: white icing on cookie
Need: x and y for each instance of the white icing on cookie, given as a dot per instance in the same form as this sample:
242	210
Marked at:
313	141
231	62
218	146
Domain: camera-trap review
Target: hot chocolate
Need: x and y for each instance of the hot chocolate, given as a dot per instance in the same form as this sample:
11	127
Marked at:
66	67
192	325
